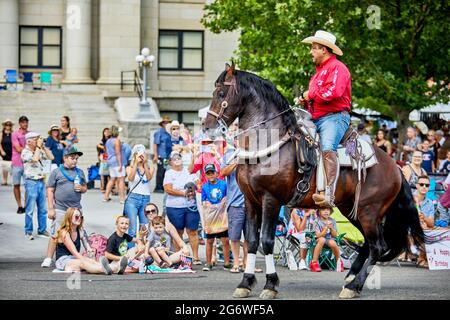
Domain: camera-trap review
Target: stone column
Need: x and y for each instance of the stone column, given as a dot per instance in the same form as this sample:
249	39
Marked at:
9	39
119	35
77	67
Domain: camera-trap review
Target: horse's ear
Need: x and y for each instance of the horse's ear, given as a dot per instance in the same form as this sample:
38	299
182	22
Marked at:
230	69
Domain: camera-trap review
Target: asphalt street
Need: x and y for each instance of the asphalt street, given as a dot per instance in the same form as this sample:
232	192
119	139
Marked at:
21	276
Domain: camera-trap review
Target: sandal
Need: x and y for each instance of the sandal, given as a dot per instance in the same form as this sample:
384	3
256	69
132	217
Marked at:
235	270
197	262
422	264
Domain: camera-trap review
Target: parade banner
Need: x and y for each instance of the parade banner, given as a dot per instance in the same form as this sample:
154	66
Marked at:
437	244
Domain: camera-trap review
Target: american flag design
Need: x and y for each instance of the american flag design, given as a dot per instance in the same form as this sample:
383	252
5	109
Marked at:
186	261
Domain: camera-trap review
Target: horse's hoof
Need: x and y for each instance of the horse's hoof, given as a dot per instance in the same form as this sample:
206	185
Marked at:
349	278
241	293
348	294
268	294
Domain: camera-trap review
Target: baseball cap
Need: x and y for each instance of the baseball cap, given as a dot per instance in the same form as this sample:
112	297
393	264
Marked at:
361	126
31	135
210	167
72	150
23	118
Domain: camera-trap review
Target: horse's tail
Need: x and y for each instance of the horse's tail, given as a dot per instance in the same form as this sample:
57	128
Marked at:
401	217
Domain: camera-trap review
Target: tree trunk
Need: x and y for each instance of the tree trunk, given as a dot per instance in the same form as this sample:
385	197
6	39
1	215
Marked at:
402	124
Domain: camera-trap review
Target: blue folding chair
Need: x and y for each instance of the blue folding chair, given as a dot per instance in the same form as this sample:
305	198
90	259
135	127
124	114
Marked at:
11	78
27	80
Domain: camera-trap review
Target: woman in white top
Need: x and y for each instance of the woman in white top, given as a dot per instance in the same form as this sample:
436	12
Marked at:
181	210
139	175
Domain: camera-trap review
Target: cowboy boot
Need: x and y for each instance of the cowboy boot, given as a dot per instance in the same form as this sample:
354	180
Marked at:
331	164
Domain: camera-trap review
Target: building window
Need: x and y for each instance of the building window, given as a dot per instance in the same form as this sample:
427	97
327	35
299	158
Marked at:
181	50
40	47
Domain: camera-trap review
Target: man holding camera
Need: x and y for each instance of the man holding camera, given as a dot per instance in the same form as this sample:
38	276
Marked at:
32	156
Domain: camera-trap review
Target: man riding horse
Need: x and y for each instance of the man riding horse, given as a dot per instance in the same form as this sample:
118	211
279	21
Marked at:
329	101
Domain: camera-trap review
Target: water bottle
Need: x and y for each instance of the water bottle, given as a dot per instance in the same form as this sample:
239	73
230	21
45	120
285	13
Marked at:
142	267
77	181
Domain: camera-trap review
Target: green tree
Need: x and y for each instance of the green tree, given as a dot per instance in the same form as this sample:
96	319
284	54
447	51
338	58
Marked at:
391	47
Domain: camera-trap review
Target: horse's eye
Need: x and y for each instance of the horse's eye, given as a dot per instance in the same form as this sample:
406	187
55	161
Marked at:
221	94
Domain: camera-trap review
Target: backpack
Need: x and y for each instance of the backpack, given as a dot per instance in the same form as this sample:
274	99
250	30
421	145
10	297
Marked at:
98	244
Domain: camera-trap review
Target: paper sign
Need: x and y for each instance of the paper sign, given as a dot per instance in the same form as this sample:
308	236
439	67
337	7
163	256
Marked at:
437	244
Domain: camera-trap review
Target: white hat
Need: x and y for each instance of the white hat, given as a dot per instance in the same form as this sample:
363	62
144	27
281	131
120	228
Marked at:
174	153
422	127
31	135
139	148
174	123
326	39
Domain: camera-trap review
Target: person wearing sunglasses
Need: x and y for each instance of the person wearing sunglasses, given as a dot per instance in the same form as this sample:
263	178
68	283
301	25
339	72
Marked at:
426	209
139	174
68	241
424	205
152	211
181	211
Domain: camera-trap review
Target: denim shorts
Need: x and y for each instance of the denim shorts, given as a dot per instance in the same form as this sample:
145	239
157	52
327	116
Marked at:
331	129
183	218
56	223
17	174
236	222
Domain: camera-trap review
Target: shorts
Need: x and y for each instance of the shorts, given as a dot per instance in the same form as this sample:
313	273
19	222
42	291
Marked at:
104	169
17	174
56	223
114	172
5	165
183	218
60	264
223	234
236	222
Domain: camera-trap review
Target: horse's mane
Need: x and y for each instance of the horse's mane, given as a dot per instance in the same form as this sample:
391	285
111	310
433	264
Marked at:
265	90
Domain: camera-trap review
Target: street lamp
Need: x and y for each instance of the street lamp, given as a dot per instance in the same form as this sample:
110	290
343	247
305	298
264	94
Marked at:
145	60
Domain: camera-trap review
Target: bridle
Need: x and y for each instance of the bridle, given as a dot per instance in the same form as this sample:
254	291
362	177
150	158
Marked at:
223	127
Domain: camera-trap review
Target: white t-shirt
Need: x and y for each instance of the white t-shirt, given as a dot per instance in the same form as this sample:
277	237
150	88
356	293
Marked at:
178	179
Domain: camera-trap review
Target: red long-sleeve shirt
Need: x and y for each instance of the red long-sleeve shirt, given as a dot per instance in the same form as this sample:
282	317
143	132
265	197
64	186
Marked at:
330	88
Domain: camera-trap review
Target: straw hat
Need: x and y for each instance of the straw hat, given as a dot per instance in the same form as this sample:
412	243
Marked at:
422	127
54	127
326	39
173	124
164	119
7	121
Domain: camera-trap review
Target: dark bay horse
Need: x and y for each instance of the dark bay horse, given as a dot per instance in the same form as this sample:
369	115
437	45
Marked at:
386	210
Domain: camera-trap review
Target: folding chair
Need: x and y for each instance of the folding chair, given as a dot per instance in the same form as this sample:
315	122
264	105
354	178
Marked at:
27	81
11	78
326	257
46	79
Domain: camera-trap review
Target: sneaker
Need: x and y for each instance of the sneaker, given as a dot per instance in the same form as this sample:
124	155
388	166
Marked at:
207	267
106	200
123	265
44	234
105	264
339	265
29	236
227	267
20	210
314	266
47	263
302	265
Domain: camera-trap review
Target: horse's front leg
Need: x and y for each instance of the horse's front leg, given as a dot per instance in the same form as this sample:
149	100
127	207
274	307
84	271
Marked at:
248	282
271	209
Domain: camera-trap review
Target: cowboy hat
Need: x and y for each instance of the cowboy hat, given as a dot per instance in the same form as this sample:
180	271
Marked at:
54	127
422	127
164	119
324	38
173	124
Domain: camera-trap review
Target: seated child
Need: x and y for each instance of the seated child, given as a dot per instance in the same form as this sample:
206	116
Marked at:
326	233
302	221
214	193
158	243
117	247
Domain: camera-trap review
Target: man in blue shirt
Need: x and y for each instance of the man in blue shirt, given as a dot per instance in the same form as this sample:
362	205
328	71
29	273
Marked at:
162	147
236	209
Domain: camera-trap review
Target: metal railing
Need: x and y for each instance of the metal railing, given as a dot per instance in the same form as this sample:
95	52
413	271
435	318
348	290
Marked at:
136	81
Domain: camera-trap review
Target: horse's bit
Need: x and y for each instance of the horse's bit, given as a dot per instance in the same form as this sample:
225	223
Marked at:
223	128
